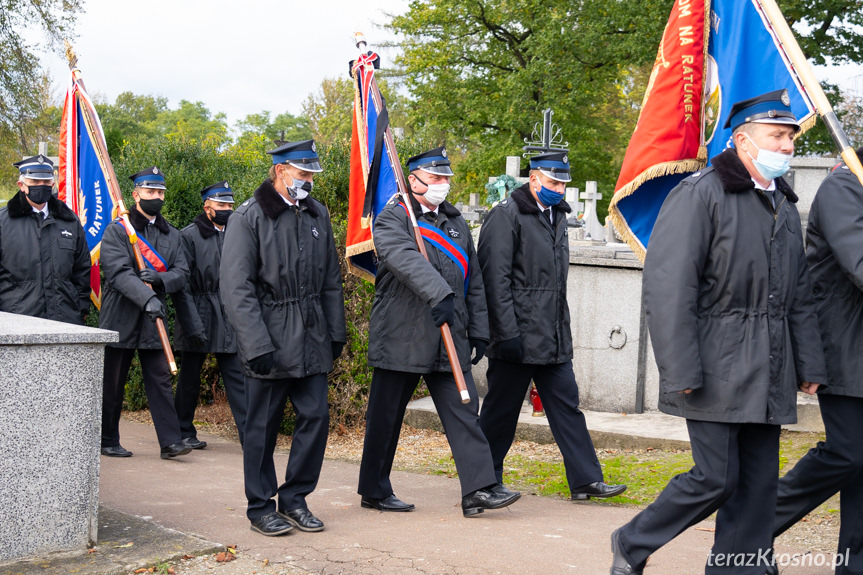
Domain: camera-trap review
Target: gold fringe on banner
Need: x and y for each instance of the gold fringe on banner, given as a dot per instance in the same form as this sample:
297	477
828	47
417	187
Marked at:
657	171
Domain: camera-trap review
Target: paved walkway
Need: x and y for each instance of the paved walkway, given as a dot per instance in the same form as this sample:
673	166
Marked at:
196	503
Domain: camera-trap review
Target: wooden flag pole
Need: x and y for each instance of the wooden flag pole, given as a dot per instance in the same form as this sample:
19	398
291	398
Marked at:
117	196
811	85
390	146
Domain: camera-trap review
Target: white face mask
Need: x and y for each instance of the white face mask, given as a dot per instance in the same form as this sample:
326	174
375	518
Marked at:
300	189
769	164
436	194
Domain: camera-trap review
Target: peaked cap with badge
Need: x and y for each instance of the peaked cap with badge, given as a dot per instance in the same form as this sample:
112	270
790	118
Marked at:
36	168
220	192
770	108
555	165
152	178
302	155
433	161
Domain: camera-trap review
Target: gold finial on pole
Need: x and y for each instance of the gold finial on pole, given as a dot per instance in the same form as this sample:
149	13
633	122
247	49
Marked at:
70	54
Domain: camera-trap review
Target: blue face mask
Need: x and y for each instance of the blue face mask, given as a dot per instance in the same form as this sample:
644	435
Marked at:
548	197
769	164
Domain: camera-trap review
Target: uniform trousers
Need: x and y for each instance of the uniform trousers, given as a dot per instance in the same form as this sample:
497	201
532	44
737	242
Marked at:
266	400
834	465
388	397
736	472
189	388
157	385
507	386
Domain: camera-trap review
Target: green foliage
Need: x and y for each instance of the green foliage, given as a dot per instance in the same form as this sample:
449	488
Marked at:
481	73
21	78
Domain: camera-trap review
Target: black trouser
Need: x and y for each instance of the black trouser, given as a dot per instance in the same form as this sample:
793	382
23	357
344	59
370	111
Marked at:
388	397
157	385
189	388
265	406
834	465
736	472
507	386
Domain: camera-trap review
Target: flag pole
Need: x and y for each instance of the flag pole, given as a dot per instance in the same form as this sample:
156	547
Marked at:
117	196
811	84
390	146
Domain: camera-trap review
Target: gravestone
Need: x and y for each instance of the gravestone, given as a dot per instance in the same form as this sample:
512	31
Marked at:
593	229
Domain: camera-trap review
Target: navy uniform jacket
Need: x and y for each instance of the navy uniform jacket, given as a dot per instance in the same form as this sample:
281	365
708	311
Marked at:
402	335
44	263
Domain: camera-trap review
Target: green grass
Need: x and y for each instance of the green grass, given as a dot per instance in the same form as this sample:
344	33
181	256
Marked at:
645	472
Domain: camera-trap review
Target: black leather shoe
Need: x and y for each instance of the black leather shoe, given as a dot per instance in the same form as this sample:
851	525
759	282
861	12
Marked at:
194	443
271	524
619	565
597	490
388	503
116	451
174	450
500	489
488	498
303	520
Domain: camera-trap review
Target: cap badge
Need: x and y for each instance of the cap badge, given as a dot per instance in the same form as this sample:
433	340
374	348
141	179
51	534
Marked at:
155	170
785	99
314	147
443	152
565	159
41	159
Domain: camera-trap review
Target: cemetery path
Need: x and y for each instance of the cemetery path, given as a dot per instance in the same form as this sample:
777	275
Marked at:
201	495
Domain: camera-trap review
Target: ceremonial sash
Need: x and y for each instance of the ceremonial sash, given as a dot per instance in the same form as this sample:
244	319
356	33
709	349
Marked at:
447	246
151	256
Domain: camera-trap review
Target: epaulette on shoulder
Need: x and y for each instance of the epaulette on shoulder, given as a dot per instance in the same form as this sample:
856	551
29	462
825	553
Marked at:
699	174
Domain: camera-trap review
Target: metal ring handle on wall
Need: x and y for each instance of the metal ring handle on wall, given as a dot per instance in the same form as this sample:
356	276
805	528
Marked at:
611	339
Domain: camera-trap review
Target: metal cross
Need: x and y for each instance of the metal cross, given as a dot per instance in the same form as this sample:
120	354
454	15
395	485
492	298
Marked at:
545	139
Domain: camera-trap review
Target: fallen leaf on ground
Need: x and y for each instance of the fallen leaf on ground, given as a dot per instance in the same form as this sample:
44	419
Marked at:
94	550
266	562
224	557
129	544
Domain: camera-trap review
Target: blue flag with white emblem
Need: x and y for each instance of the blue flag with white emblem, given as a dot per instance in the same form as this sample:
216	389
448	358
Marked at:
743	59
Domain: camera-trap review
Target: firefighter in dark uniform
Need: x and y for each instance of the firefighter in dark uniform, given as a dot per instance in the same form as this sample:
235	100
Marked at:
201	326
44	259
413	298
130	306
833	243
281	285
735	332
524	253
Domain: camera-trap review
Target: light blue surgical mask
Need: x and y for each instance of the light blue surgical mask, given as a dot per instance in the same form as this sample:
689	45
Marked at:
548	197
769	164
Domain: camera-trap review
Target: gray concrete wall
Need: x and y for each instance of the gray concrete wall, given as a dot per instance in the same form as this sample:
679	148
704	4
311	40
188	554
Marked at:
50	425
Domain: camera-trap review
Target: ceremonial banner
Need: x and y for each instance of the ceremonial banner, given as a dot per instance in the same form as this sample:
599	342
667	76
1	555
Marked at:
82	182
373	179
691	90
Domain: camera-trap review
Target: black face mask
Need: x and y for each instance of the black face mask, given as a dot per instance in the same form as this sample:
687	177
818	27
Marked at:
220	217
151	207
39	194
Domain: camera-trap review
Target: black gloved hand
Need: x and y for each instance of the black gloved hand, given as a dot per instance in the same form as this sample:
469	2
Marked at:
511	349
478	346
263	364
197	340
444	311
155	308
151	277
337	347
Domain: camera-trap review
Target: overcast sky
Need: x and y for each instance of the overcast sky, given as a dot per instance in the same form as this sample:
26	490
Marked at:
236	56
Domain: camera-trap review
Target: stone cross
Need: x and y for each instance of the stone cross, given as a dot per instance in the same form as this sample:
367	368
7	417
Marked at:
593	229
